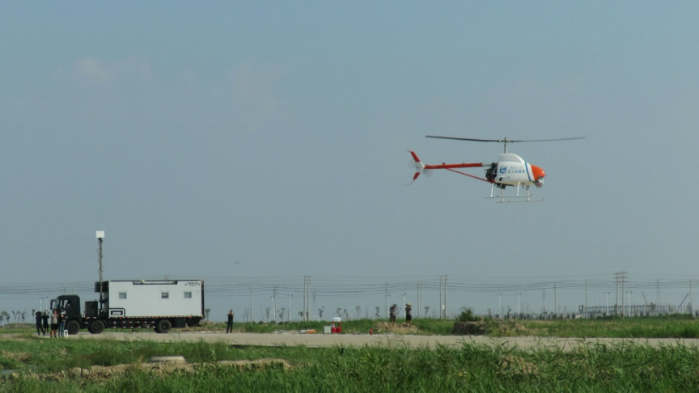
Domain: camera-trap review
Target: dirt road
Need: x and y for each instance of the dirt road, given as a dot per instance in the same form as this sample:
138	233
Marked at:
321	340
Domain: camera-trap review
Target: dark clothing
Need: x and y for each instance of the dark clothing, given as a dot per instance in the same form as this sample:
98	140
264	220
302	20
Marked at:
39	327
408	313
45	320
229	326
61	323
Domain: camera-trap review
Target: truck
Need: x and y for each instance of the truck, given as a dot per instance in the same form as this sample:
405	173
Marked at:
135	304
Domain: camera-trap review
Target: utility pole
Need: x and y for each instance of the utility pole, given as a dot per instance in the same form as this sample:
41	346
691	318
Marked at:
404	293
419	310
691	300
274	303
386	296
419	300
500	305
445	297
543	301
585	296
518	294
619	277
555	301
306	298
251	290
623	281
288	314
440	297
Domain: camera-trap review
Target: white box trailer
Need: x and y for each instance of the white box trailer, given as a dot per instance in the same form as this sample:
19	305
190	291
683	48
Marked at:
149	298
132	304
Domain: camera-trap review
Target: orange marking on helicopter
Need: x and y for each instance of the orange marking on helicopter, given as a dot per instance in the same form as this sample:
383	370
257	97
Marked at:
538	172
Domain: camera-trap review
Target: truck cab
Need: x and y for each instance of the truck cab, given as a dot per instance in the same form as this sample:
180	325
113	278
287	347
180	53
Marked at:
69	306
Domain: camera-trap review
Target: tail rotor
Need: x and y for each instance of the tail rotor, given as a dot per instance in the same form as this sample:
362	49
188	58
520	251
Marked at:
417	164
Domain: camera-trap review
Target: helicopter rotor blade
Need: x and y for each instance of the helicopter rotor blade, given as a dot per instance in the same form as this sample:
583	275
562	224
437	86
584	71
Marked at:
547	140
505	140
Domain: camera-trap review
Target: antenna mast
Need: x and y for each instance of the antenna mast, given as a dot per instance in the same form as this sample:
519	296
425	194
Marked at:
100	237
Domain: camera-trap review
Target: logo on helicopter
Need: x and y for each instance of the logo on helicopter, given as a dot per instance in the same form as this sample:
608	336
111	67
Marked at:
504	169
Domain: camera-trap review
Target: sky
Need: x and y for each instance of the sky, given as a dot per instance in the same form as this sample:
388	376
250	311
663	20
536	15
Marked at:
258	143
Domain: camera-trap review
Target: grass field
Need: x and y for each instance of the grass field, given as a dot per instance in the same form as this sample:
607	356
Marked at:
107	365
50	365
673	326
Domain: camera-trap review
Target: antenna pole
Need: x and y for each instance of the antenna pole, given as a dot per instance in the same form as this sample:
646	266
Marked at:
100	259
100	237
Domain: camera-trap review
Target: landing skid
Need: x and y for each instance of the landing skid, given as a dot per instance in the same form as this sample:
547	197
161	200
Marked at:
525	196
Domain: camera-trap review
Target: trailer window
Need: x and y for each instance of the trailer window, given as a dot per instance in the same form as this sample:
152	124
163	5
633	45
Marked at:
164	295
188	295
122	295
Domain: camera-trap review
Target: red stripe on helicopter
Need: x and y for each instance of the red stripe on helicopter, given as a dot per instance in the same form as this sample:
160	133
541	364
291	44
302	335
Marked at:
450	166
466	174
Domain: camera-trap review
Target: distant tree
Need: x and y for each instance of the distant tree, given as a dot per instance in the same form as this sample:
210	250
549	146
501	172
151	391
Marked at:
427	309
378	313
346	315
301	314
207	311
281	313
24	316
267	312
320	312
338	311
358	309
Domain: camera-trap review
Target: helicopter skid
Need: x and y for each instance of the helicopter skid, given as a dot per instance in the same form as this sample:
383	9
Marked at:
518	197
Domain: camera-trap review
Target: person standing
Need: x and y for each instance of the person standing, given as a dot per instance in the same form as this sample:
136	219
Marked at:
45	320
61	323
54	323
39	326
229	326
409	314
392	314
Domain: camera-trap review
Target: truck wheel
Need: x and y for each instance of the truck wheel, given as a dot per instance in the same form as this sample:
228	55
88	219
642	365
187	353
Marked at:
96	327
163	326
73	327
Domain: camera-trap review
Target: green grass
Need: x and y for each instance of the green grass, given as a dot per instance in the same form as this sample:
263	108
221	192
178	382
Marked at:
470	367
677	326
673	326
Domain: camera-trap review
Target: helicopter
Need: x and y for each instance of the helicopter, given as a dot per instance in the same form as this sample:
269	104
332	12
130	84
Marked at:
509	171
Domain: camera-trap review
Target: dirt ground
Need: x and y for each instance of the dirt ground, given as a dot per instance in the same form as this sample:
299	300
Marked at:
293	338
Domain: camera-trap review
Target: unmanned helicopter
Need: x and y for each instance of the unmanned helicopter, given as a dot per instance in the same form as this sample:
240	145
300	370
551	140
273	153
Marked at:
509	171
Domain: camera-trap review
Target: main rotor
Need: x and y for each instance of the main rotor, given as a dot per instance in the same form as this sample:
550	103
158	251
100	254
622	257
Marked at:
504	141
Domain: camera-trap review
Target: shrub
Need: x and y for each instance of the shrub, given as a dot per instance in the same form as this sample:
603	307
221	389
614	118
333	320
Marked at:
467	315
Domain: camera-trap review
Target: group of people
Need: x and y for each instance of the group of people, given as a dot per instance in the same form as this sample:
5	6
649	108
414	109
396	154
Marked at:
58	323
408	314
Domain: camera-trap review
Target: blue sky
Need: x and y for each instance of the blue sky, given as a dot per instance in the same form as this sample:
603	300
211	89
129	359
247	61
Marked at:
275	135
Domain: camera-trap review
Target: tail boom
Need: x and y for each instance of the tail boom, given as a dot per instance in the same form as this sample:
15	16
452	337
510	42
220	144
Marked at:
420	166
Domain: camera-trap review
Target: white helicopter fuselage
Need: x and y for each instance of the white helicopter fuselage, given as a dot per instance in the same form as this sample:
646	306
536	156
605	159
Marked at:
512	170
